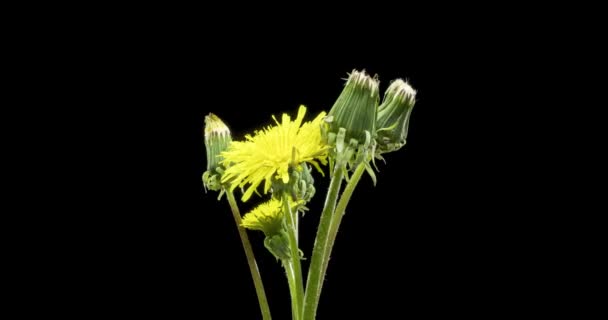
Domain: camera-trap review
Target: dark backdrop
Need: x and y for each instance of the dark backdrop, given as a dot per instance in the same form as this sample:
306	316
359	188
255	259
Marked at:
423	240
436	235
474	216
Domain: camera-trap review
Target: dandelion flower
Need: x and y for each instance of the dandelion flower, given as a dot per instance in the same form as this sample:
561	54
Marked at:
270	154
266	217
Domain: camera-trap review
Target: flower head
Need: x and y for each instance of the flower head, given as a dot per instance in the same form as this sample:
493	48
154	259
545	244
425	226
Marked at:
266	217
271	153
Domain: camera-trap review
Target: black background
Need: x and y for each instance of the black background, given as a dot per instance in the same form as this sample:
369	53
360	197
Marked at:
431	237
441	233
475	216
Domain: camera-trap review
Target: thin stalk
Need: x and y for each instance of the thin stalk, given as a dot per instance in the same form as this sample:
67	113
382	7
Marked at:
314	284
295	279
253	267
339	213
291	280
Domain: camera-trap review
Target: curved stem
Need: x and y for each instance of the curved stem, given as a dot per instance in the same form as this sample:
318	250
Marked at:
296	285
314	284
339	213
253	267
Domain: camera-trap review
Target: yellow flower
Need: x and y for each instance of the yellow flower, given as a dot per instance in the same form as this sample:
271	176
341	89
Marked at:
267	217
271	152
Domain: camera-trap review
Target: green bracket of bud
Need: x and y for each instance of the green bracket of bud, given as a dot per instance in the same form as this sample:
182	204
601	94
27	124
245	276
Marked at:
278	245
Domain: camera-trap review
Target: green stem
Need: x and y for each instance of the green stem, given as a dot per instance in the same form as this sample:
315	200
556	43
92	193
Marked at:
339	213
314	284
295	278
253	267
291	280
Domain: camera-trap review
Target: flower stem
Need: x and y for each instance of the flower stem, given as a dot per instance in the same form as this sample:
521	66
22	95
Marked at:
296	283
316	275
339	213
253	267
291	280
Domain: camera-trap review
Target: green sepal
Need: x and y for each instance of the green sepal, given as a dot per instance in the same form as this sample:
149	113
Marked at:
278	245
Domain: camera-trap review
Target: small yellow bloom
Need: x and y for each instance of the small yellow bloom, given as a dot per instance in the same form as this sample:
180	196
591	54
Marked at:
267	217
272	152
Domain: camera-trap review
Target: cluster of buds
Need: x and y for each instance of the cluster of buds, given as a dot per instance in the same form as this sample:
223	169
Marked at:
301	185
359	129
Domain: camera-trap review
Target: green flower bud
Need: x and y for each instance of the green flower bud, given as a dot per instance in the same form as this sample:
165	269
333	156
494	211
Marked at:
355	108
394	116
304	187
217	139
301	185
278	245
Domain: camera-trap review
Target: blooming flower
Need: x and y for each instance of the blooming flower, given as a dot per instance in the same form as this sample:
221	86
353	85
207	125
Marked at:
270	154
266	217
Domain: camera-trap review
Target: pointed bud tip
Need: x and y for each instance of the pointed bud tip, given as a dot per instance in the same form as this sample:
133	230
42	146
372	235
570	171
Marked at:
215	125
401	89
361	78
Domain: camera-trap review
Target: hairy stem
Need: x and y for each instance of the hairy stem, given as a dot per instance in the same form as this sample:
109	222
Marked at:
295	278
314	284
253	267
339	214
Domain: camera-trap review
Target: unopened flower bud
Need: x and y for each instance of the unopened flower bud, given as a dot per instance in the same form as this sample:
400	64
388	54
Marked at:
394	116
355	108
217	139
